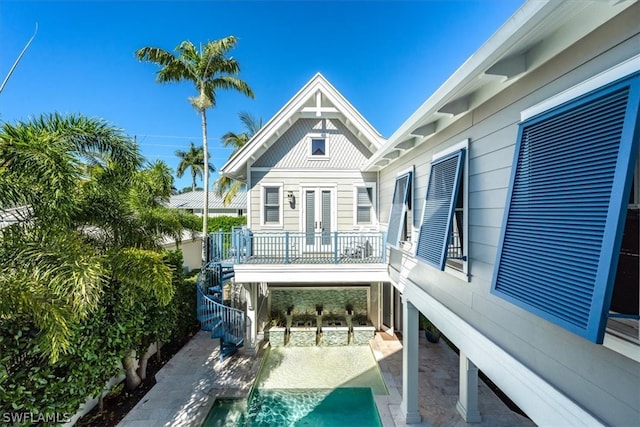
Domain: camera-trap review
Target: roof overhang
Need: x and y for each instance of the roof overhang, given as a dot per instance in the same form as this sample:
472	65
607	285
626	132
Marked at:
317	99
536	33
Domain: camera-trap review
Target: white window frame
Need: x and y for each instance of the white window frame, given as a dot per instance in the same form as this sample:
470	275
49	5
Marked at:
463	273
611	341
374	216
310	138
263	188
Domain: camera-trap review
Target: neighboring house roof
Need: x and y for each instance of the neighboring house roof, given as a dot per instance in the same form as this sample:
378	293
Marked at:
195	200
187	235
10	216
535	34
317	99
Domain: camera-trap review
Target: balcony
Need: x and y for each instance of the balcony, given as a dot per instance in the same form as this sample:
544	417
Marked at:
242	246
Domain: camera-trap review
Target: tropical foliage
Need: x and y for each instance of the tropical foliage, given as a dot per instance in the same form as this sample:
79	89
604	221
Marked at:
192	159
225	222
83	283
209	69
226	187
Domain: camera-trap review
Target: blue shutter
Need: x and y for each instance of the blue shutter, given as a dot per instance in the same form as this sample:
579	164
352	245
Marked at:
439	207
565	211
398	208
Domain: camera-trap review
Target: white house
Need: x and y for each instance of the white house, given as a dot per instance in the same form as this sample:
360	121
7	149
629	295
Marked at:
312	212
505	209
190	243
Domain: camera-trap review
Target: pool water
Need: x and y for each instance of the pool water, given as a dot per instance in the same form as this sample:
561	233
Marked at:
308	386
350	406
321	368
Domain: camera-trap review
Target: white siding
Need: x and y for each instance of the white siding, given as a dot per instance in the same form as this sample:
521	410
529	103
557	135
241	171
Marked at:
293	180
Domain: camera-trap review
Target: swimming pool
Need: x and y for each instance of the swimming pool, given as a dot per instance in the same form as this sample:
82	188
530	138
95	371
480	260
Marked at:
352	406
308	386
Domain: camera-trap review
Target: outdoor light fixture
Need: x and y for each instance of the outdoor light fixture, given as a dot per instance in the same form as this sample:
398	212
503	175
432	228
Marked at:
291	198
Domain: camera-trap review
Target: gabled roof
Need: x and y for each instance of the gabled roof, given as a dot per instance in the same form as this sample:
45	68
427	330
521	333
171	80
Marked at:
317	99
534	35
195	200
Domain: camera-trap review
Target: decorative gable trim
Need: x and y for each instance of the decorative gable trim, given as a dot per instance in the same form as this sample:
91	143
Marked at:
317	99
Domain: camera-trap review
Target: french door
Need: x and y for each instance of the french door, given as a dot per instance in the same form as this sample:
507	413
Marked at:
318	218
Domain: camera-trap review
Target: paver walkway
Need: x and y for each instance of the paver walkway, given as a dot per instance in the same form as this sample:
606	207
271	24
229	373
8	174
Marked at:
438	388
190	382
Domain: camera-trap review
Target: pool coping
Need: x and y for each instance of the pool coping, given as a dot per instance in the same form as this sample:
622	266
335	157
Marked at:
190	383
381	401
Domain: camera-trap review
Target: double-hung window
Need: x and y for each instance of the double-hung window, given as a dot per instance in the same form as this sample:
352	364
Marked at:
397	230
567	205
271	213
441	237
364	205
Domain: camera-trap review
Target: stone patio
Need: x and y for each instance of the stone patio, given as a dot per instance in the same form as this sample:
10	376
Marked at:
189	383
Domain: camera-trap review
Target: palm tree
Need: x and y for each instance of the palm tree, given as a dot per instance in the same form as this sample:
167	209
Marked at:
194	160
226	187
209	69
82	223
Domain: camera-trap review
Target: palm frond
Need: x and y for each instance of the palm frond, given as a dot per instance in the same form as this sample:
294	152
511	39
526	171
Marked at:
228	83
173	69
251	124
19	296
142	270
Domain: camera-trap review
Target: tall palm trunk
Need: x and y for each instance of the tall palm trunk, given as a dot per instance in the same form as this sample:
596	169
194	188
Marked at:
205	208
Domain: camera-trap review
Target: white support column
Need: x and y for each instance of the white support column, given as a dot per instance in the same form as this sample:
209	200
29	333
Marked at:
410	358
468	394
251	290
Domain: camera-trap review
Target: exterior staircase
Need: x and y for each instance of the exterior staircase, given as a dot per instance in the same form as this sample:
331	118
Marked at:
225	323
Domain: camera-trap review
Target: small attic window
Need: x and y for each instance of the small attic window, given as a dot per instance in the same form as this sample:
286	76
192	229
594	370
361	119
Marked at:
318	147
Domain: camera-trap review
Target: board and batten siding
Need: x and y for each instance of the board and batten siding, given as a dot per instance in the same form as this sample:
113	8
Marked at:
594	376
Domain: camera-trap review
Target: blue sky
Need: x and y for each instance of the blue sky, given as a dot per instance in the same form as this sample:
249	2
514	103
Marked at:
385	57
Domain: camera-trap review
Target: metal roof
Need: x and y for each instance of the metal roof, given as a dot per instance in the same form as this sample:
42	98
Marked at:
195	200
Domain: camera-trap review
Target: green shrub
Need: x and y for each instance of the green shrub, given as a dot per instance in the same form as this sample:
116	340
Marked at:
30	383
224	223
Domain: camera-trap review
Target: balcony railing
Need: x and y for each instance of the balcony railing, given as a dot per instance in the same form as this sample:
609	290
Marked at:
242	246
